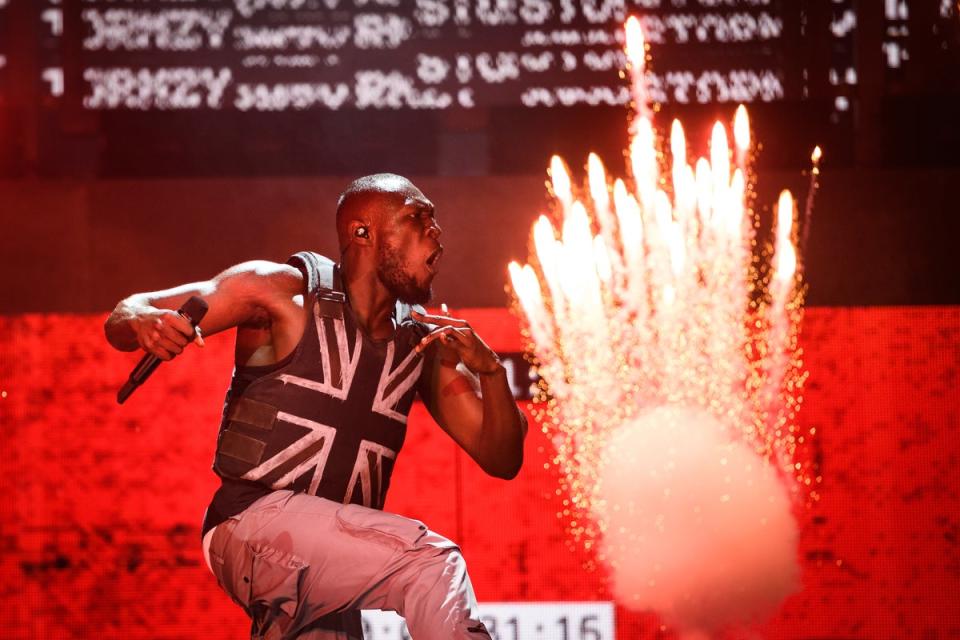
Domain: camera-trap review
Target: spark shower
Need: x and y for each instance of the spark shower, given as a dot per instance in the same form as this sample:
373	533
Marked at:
671	371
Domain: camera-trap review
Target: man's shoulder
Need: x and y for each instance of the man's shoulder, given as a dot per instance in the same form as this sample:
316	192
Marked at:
316	270
271	276
310	257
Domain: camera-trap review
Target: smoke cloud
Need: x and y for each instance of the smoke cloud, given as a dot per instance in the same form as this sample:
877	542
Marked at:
697	527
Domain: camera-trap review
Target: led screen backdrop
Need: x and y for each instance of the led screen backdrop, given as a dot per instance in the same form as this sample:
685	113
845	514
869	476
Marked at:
101	504
300	87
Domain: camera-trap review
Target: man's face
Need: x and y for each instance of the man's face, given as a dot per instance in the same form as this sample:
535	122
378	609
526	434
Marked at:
408	252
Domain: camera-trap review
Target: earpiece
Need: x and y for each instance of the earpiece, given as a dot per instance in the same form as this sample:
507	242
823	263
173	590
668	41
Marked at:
361	232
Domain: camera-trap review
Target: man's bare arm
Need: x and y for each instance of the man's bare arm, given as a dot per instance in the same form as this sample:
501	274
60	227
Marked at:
465	388
239	295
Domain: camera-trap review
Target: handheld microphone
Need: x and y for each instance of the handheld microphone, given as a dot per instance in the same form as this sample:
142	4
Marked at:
193	310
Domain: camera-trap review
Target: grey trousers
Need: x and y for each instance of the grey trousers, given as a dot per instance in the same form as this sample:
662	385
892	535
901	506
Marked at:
303	567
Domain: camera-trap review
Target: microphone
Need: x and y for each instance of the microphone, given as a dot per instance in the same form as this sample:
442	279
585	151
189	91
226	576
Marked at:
193	311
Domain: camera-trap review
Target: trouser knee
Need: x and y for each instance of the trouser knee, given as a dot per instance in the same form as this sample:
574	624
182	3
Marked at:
444	565
432	575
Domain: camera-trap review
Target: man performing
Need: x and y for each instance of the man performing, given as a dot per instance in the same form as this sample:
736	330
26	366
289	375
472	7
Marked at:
328	358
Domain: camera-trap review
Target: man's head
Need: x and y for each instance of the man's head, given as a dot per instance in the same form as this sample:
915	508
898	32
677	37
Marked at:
385	222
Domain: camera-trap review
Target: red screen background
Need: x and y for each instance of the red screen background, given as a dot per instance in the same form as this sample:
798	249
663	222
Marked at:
100	505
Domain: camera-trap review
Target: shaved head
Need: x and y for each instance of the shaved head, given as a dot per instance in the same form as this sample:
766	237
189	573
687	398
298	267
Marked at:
367	198
387	227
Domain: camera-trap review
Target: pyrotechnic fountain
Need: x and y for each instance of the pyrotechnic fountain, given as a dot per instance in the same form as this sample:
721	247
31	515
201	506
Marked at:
672	374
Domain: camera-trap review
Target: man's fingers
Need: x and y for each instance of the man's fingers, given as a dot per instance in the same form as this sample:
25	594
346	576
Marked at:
448	335
174	328
173	335
165	335
160	352
169	345
444	321
180	323
461	336
428	339
153	344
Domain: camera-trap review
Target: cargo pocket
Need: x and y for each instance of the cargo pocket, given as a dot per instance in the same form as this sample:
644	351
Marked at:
276	577
379	527
265	583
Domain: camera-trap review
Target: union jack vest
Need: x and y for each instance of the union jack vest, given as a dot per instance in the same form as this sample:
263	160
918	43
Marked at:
330	418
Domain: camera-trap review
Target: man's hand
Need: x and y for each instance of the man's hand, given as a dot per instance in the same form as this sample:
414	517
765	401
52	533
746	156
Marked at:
457	335
235	296
163	332
479	414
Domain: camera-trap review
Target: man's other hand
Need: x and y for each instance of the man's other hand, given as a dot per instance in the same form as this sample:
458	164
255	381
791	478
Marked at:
459	336
164	333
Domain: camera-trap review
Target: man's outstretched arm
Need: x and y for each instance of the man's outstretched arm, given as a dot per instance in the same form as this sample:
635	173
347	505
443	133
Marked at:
236	296
465	388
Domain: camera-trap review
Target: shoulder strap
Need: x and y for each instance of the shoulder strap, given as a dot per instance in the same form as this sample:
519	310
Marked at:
413	330
403	310
322	280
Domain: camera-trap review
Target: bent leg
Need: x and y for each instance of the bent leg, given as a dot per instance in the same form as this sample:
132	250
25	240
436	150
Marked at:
292	560
438	602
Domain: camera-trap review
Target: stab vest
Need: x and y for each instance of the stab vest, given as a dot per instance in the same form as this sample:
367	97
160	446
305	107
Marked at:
328	420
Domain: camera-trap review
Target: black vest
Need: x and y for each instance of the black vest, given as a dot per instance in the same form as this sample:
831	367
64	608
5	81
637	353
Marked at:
329	419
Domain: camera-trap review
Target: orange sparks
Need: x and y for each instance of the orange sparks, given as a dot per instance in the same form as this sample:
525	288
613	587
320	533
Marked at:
658	308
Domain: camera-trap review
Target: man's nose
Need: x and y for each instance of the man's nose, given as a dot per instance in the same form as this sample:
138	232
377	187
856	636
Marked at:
434	230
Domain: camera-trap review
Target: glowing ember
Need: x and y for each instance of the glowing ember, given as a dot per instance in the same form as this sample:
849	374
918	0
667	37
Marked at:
651	323
816	155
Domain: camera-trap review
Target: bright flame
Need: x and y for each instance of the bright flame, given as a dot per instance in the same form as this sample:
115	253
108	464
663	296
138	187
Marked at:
719	157
736	203
601	259
678	149
598	182
664	312
629	221
816	155
635	48
784	217
560	179
548	253
741	129
786	263
675	242
704	180
678	144
643	155
525	280
786	255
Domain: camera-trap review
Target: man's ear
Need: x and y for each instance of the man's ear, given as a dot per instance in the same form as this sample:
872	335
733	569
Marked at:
360	232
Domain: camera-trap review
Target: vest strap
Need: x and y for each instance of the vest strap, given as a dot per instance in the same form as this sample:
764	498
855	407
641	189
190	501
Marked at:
323	281
243	448
253	413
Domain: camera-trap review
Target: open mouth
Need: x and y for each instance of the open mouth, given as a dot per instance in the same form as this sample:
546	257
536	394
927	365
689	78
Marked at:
433	260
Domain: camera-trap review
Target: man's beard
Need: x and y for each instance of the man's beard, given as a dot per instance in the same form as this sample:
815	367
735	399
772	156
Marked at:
390	269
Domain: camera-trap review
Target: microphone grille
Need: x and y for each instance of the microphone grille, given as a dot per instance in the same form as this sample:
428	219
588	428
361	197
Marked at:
194	309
